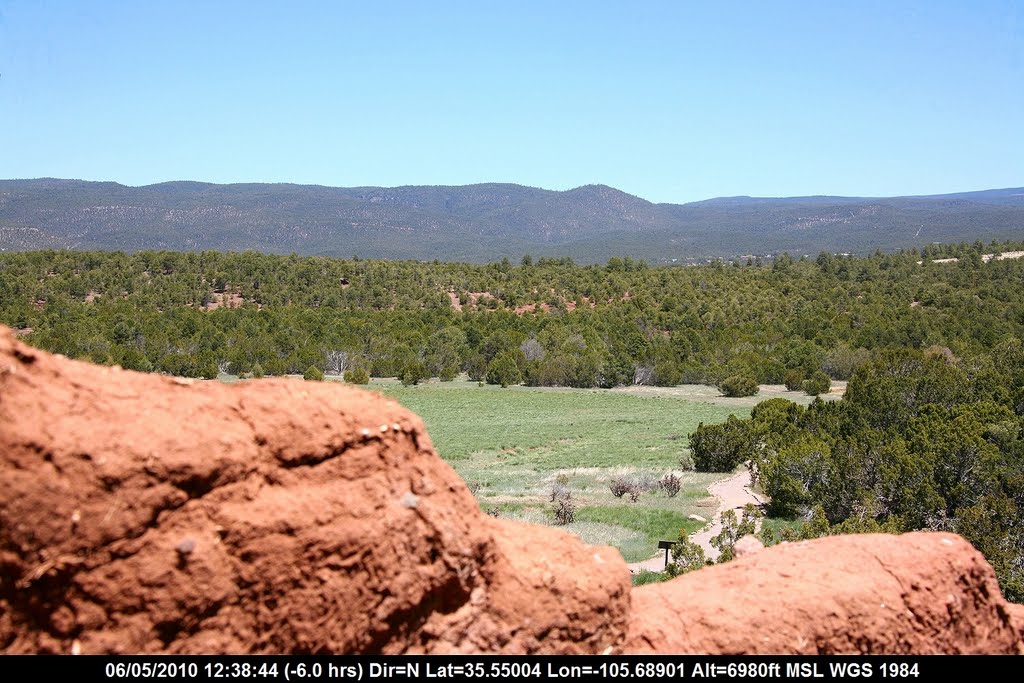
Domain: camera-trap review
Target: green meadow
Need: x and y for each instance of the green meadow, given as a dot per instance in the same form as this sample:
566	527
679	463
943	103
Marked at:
513	445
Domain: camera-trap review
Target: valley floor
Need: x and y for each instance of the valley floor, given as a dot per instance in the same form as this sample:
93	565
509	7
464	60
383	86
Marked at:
517	447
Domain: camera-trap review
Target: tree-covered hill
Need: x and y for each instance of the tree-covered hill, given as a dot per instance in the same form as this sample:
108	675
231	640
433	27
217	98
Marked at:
558	323
479	223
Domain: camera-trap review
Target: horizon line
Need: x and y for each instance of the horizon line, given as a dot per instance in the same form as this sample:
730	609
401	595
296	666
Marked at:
522	185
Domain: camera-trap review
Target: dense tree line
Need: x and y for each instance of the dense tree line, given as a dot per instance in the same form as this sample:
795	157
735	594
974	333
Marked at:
921	440
543	322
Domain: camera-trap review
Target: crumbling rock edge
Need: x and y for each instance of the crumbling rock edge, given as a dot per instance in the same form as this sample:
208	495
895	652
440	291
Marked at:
145	514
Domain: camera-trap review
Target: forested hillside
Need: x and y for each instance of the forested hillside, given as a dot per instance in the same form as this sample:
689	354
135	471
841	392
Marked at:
486	222
545	322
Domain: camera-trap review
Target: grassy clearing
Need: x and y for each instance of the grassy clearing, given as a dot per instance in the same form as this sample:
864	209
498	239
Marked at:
555	428
650	524
646	576
513	445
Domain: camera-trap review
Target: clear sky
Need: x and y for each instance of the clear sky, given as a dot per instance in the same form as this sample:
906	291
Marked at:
672	101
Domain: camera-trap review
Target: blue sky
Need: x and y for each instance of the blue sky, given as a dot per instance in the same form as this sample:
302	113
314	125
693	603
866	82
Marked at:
671	101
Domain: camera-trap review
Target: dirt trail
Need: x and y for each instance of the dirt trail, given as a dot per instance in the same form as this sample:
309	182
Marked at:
732	493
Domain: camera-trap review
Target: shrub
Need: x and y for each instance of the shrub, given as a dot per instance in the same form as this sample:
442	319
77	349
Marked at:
734	529
565	510
357	374
503	370
818	383
671	484
257	371
739	385
722	447
686	460
667	374
476	367
561	496
414	372
687	556
794	380
785	477
559	490
620	486
842	361
314	374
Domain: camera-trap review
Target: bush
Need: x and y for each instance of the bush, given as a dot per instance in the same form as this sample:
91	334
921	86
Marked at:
785	477
357	374
739	385
722	447
842	361
620	486
565	510
667	374
634	486
734	529
476	367
559	490
414	372
687	556
313	374
686	461
817	384
671	484
794	380
561	496
503	370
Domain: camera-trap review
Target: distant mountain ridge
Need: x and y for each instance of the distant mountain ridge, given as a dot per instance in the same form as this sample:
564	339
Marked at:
483	222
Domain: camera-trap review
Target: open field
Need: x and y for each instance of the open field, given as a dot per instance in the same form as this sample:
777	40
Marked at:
513	445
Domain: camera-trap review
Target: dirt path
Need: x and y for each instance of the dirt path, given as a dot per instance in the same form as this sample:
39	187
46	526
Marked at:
732	493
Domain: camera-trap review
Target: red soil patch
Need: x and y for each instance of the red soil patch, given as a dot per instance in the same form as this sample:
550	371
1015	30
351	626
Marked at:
224	300
530	308
456	304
